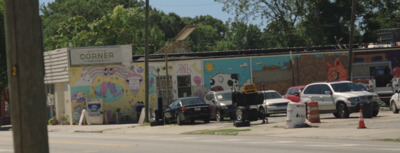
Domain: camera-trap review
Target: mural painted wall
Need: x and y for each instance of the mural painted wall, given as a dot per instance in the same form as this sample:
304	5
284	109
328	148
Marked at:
190	68
272	64
118	86
320	67
301	69
226	74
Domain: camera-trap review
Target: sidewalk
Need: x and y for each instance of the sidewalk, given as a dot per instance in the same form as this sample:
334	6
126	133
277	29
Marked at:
386	125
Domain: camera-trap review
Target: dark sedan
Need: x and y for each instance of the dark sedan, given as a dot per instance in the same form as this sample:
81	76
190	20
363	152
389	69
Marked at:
187	109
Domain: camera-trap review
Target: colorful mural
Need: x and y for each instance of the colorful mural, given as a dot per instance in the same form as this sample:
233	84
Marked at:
226	74
119	87
190	68
310	68
271	64
336	72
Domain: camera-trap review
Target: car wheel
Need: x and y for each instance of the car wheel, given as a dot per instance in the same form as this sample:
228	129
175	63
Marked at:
240	114
178	120
343	112
393	107
336	115
218	116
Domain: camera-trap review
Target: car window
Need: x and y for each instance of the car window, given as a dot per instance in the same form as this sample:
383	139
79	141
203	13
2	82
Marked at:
210	96
310	90
324	88
296	91
173	104
317	89
192	101
345	87
291	91
361	87
272	95
224	96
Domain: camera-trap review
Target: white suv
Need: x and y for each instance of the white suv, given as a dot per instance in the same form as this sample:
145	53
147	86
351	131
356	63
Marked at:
395	102
340	98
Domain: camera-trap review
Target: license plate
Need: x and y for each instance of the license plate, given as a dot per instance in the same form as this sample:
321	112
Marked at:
197	108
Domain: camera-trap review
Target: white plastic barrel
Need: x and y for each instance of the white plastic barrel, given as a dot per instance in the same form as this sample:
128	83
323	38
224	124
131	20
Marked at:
296	115
94	112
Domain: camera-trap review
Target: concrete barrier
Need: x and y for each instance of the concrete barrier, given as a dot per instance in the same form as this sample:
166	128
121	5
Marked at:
296	115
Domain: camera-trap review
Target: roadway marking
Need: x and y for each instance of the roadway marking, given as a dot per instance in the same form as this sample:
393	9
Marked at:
88	143
283	142
230	140
350	145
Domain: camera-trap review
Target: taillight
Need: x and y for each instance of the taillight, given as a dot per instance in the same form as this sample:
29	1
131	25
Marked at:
209	106
184	109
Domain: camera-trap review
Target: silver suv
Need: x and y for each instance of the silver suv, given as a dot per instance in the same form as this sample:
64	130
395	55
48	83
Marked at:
340	98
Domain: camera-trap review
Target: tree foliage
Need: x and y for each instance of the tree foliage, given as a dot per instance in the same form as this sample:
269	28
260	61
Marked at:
285	23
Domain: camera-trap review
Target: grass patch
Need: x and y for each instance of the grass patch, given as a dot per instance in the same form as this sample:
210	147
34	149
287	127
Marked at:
383	104
146	124
218	132
391	140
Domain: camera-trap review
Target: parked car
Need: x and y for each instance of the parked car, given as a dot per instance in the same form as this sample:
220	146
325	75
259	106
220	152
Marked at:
223	102
187	109
274	103
340	98
395	102
293	93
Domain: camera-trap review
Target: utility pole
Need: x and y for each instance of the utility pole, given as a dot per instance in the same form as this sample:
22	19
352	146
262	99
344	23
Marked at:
146	63
26	76
353	7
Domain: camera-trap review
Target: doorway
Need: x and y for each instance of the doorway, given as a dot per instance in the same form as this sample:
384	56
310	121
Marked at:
184	86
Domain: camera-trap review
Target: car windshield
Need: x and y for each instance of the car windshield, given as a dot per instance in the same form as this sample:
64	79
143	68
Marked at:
192	101
272	95
362	87
345	87
224	96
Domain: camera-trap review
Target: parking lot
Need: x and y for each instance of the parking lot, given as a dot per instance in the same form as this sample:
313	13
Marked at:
384	126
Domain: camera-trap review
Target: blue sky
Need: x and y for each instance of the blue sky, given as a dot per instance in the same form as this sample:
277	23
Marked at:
186	8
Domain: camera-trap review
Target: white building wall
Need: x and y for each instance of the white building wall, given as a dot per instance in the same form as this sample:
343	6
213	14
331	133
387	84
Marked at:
59	100
67	102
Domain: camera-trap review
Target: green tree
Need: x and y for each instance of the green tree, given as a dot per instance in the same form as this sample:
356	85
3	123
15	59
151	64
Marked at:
209	31
122	26
60	11
253	37
324	21
283	13
378	15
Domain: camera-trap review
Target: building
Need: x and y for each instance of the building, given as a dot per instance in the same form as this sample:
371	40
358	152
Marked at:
119	84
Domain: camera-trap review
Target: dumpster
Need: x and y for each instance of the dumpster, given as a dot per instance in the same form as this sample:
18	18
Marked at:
366	110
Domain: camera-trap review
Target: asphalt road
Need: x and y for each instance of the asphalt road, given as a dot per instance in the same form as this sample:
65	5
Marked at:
119	143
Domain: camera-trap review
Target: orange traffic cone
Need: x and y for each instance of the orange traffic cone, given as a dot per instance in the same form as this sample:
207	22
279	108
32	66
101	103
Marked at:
361	124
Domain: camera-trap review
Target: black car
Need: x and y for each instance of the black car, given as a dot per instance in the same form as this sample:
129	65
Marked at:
187	109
